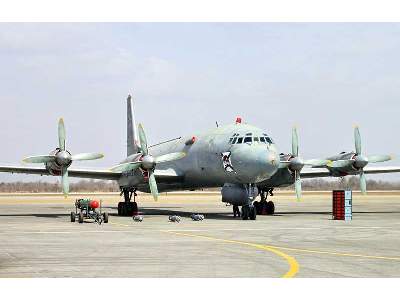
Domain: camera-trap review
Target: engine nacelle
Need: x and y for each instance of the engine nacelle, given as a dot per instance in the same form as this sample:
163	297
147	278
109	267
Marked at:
236	194
54	167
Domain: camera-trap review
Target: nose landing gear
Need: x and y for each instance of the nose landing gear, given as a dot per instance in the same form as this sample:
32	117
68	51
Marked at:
128	208
265	207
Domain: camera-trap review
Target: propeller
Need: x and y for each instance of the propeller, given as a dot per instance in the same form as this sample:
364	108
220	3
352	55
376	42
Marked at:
359	161
296	163
62	158
148	162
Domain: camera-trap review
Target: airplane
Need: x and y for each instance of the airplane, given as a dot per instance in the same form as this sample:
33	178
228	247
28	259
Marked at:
239	157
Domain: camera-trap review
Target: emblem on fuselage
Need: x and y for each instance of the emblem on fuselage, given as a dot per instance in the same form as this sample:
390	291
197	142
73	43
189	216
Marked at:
226	161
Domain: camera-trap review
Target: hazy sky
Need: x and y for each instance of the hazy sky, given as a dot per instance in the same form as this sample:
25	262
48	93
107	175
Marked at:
322	77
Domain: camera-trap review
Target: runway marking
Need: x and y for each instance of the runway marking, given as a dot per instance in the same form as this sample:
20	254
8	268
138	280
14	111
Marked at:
293	264
336	253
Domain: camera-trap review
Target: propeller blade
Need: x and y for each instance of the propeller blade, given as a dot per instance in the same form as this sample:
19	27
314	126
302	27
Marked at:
87	156
153	185
298	185
342	163
379	158
143	140
126	167
295	142
318	162
65	183
357	140
363	183
170	157
39	159
61	134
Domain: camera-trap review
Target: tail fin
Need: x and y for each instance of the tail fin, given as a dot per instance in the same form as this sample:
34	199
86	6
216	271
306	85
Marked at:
132	139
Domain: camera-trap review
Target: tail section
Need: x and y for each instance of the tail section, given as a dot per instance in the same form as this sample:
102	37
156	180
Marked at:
132	138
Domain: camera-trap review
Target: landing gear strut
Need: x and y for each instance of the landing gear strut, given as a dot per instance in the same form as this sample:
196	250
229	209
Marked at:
236	211
249	212
128	208
265	207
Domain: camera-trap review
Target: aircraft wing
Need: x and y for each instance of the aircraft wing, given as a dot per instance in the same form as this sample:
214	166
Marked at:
314	173
168	176
83	173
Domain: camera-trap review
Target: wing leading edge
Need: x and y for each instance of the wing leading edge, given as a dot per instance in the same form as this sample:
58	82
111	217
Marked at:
315	173
83	173
165	176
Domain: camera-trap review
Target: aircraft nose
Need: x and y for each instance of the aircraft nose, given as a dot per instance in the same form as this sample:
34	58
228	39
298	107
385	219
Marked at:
255	164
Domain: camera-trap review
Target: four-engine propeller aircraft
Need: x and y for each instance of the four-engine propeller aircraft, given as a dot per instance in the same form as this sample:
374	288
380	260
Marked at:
240	158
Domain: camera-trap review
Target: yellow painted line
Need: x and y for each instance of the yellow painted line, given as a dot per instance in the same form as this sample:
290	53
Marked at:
335	253
293	264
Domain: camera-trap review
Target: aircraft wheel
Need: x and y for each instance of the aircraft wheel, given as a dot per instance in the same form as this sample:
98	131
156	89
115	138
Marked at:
245	212
120	204
72	216
80	217
105	217
257	206
253	213
134	208
270	208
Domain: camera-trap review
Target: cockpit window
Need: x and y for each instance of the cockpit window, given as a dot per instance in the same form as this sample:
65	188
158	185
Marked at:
262	139
234	140
255	139
240	140
247	139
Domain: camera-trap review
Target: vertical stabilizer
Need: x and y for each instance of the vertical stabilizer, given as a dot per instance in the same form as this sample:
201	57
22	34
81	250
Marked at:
132	139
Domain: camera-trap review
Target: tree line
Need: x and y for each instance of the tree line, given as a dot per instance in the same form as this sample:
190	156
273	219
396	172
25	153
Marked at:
112	186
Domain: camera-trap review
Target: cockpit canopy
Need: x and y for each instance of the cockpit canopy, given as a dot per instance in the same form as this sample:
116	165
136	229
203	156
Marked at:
250	138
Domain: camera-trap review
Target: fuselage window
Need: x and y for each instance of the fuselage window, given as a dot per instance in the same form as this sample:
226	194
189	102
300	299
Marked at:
240	140
247	139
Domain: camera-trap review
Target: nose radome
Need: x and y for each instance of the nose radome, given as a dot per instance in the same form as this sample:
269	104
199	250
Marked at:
255	164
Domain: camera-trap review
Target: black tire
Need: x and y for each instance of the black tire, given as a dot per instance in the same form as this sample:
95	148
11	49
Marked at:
120	208
72	216
257	206
134	208
80	217
245	212
270	208
253	213
105	217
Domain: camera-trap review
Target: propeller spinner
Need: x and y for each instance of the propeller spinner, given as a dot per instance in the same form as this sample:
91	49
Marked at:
62	158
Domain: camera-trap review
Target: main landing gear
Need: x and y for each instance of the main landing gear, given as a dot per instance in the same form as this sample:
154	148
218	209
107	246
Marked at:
249	212
128	208
265	207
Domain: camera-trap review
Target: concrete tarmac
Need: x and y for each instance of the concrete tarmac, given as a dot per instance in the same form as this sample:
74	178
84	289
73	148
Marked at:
37	238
